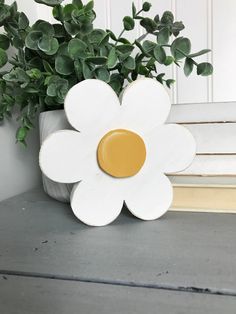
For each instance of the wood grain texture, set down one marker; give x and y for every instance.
(40, 235)
(21, 295)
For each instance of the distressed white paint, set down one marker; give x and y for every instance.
(68, 156)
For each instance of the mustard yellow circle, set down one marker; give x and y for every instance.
(121, 153)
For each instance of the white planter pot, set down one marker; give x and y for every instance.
(49, 122)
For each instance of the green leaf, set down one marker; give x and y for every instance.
(89, 6)
(112, 58)
(159, 54)
(169, 60)
(199, 53)
(86, 71)
(48, 45)
(50, 3)
(204, 69)
(57, 12)
(4, 42)
(3, 57)
(97, 60)
(129, 63)
(53, 48)
(148, 46)
(148, 24)
(104, 40)
(180, 48)
(167, 17)
(116, 82)
(67, 11)
(21, 134)
(163, 36)
(23, 21)
(134, 10)
(126, 48)
(78, 70)
(64, 65)
(34, 74)
(112, 35)
(31, 40)
(72, 28)
(59, 31)
(146, 6)
(78, 3)
(47, 67)
(76, 48)
(4, 13)
(44, 27)
(128, 23)
(188, 66)
(169, 82)
(102, 74)
(177, 27)
(96, 36)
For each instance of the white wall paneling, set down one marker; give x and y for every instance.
(224, 34)
(194, 14)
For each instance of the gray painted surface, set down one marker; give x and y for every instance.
(20, 295)
(40, 235)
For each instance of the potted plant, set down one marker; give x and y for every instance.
(50, 58)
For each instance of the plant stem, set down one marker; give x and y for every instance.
(142, 37)
(122, 32)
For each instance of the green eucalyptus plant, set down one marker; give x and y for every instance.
(50, 58)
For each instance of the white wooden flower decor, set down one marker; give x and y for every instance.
(118, 152)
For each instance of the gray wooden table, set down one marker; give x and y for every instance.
(51, 263)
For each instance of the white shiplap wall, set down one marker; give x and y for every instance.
(209, 24)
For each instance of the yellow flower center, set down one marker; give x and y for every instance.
(121, 153)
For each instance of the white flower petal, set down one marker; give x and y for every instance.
(65, 156)
(91, 105)
(148, 197)
(170, 148)
(97, 201)
(145, 104)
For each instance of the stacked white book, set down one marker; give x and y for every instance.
(209, 183)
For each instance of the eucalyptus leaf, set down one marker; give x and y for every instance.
(159, 54)
(199, 53)
(149, 24)
(76, 48)
(102, 74)
(204, 69)
(129, 63)
(112, 58)
(128, 23)
(87, 72)
(4, 42)
(180, 48)
(188, 66)
(163, 36)
(50, 3)
(96, 60)
(3, 57)
(64, 65)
